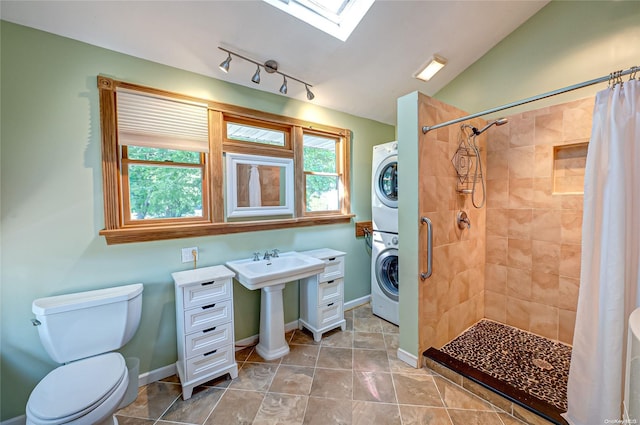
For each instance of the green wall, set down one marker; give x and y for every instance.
(52, 209)
(408, 221)
(565, 43)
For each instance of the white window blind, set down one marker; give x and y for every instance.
(158, 122)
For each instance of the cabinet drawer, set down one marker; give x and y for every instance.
(209, 339)
(206, 293)
(329, 291)
(207, 316)
(330, 313)
(208, 363)
(333, 269)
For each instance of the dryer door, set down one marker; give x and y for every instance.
(386, 181)
(387, 273)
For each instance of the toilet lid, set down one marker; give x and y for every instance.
(73, 389)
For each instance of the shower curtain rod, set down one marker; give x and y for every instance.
(615, 75)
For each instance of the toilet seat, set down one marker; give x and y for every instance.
(75, 390)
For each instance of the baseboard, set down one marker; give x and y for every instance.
(18, 420)
(253, 340)
(408, 358)
(169, 370)
(156, 374)
(357, 302)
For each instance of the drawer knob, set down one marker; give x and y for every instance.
(332, 259)
(210, 353)
(209, 330)
(208, 283)
(331, 281)
(204, 307)
(329, 305)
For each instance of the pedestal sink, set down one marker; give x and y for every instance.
(271, 276)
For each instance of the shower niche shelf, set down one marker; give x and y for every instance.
(569, 162)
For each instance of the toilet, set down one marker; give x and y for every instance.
(81, 331)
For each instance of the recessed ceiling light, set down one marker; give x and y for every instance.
(435, 64)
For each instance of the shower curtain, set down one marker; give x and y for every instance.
(609, 281)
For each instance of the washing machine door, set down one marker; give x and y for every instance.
(386, 181)
(387, 273)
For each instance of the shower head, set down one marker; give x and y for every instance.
(498, 122)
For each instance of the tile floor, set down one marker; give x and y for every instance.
(350, 377)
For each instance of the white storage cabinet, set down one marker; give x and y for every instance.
(204, 324)
(322, 295)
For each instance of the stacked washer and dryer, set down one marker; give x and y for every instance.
(384, 245)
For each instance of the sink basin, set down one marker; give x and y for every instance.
(287, 267)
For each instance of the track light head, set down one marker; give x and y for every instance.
(224, 66)
(283, 87)
(310, 95)
(256, 76)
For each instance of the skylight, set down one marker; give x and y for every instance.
(335, 17)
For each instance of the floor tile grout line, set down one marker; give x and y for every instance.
(363, 353)
(216, 404)
(444, 404)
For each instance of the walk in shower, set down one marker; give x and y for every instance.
(499, 307)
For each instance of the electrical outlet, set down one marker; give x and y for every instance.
(187, 254)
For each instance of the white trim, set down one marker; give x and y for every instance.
(253, 340)
(156, 374)
(357, 302)
(18, 420)
(233, 160)
(408, 358)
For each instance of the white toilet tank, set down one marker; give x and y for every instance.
(84, 324)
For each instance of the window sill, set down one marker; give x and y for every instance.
(156, 233)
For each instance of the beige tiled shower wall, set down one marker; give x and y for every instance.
(452, 299)
(533, 235)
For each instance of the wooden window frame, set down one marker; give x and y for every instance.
(341, 172)
(126, 207)
(118, 231)
(255, 148)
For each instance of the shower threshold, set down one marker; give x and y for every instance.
(528, 372)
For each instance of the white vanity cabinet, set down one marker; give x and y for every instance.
(204, 324)
(322, 295)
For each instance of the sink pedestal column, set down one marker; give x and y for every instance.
(272, 344)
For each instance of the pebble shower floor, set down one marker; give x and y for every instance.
(528, 362)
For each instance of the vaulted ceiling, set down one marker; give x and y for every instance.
(362, 76)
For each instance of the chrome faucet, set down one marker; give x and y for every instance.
(267, 255)
(256, 256)
(274, 253)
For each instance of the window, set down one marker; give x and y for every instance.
(241, 132)
(322, 181)
(176, 166)
(163, 144)
(162, 184)
(335, 17)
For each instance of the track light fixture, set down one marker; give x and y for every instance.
(256, 76)
(224, 66)
(310, 95)
(270, 66)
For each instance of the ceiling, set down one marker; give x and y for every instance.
(363, 76)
